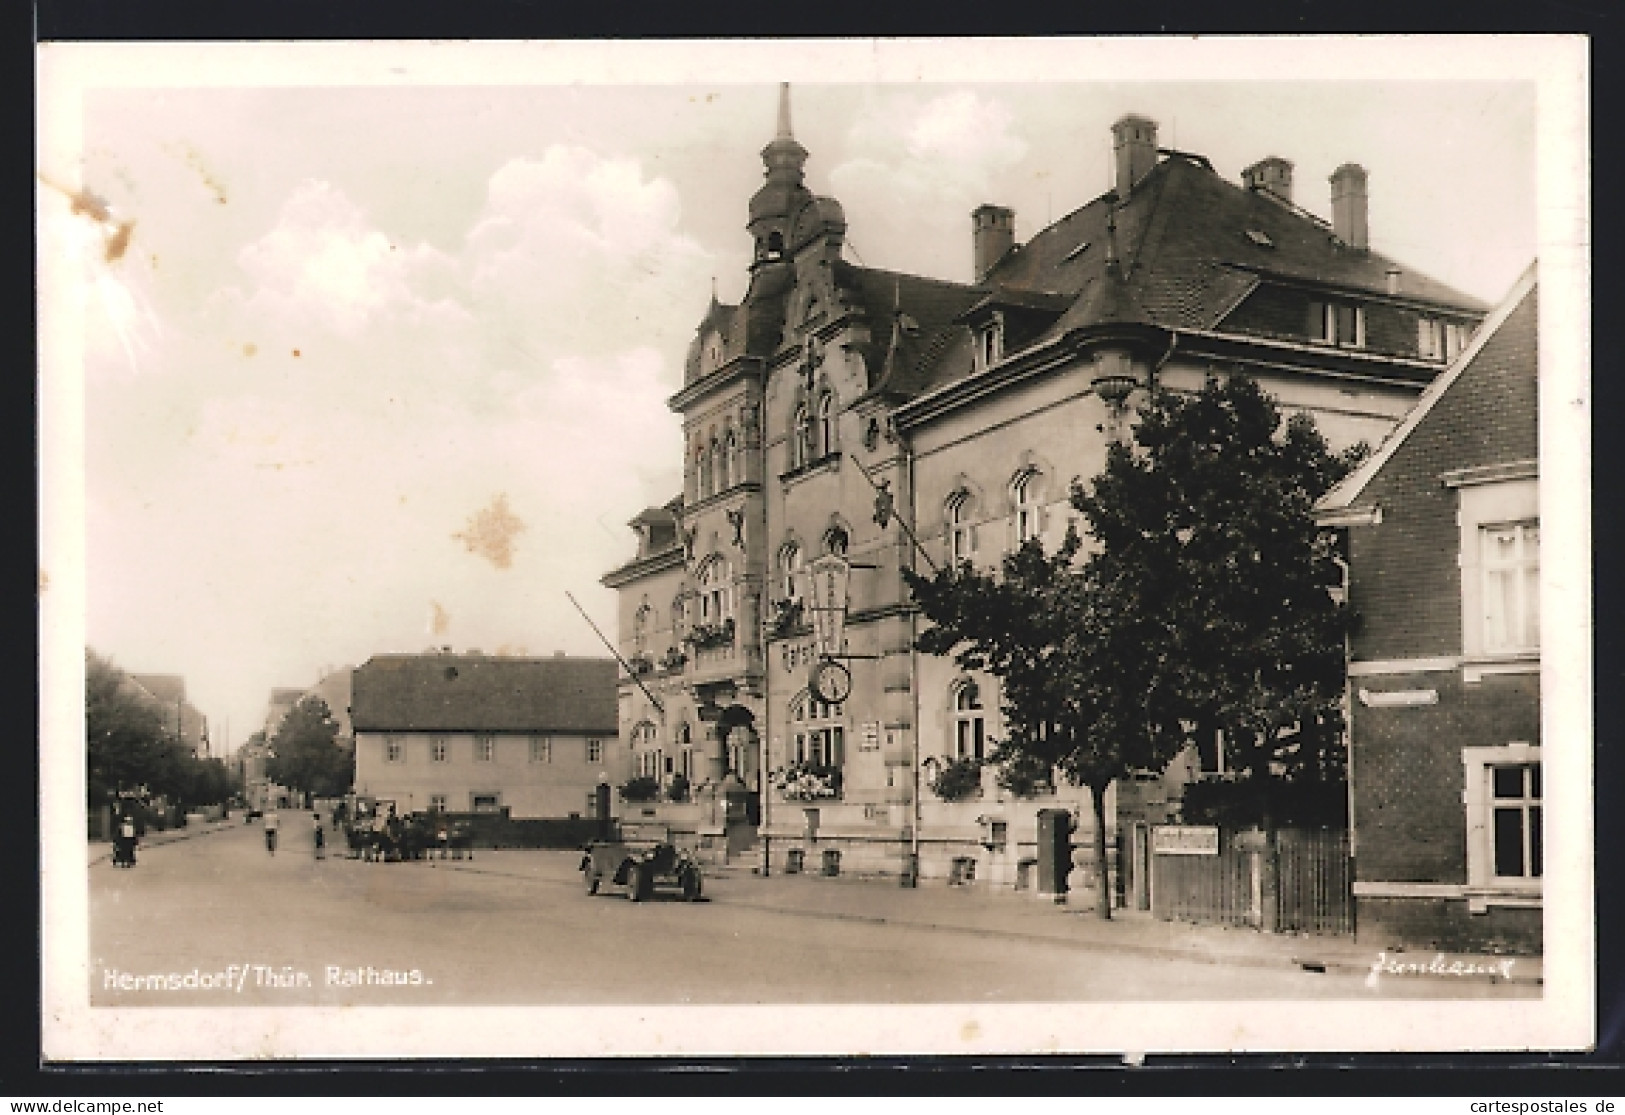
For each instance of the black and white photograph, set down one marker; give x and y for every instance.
(559, 549)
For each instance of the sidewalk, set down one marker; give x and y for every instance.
(935, 906)
(102, 850)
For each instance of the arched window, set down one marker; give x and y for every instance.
(818, 732)
(702, 469)
(685, 751)
(790, 566)
(719, 466)
(642, 622)
(732, 473)
(825, 440)
(961, 530)
(716, 591)
(646, 749)
(1028, 494)
(835, 540)
(800, 437)
(970, 729)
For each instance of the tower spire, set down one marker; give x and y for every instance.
(784, 111)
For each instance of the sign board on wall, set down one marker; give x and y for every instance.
(1185, 840)
(869, 736)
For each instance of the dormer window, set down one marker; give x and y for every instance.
(1437, 339)
(1337, 323)
(989, 343)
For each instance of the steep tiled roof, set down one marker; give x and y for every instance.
(449, 692)
(912, 319)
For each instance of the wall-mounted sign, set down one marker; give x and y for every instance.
(1398, 698)
(869, 736)
(1185, 840)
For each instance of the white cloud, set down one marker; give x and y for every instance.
(919, 166)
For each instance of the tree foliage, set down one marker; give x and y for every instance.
(1210, 524)
(130, 744)
(306, 755)
(1200, 604)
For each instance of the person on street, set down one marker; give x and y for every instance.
(124, 843)
(321, 837)
(271, 824)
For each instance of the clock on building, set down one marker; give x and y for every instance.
(831, 682)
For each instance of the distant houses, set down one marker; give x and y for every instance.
(1443, 528)
(528, 737)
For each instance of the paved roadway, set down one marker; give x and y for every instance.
(517, 928)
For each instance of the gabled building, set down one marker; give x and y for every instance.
(1443, 526)
(871, 421)
(471, 733)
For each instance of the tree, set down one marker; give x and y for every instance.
(126, 743)
(1210, 526)
(1079, 691)
(131, 744)
(305, 754)
(1201, 605)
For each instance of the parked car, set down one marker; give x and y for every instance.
(640, 860)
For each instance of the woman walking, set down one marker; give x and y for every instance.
(271, 824)
(321, 837)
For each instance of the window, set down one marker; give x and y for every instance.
(642, 621)
(716, 592)
(484, 748)
(826, 424)
(485, 803)
(835, 540)
(595, 751)
(1437, 339)
(1515, 820)
(392, 750)
(790, 563)
(1028, 492)
(437, 803)
(541, 749)
(731, 470)
(961, 531)
(1505, 858)
(646, 746)
(1511, 569)
(800, 437)
(719, 466)
(819, 736)
(437, 749)
(1337, 323)
(970, 731)
(989, 348)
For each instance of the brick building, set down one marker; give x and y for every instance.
(1443, 527)
(472, 733)
(966, 408)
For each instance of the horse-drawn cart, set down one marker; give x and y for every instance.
(640, 858)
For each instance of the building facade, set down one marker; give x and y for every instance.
(844, 423)
(471, 733)
(1443, 529)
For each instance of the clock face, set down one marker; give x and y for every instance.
(832, 682)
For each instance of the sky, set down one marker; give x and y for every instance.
(375, 347)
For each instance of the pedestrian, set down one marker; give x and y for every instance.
(124, 843)
(321, 837)
(271, 824)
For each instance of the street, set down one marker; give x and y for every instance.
(517, 928)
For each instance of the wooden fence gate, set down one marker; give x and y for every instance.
(1292, 880)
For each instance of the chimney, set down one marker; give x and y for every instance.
(1349, 205)
(1273, 175)
(993, 233)
(1134, 142)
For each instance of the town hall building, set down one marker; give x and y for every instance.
(844, 423)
